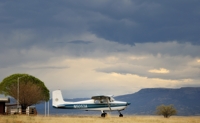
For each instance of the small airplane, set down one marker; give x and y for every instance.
(96, 103)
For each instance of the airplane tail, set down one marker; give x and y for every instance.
(57, 98)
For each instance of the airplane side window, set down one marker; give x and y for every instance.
(103, 101)
(96, 101)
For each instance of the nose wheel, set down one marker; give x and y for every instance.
(120, 114)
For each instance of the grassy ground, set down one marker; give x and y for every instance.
(97, 119)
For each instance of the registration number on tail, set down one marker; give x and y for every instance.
(80, 106)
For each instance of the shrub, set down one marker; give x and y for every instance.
(166, 110)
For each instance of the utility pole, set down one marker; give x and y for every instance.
(48, 108)
(45, 109)
(18, 94)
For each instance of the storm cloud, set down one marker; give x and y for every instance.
(96, 43)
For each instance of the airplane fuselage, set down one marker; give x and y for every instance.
(91, 105)
(96, 103)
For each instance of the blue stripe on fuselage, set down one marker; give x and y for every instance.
(86, 106)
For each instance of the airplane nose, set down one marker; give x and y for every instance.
(128, 103)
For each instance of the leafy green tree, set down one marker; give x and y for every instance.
(166, 110)
(31, 89)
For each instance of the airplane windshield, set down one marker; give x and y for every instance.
(112, 99)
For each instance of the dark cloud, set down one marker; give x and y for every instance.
(48, 67)
(79, 42)
(154, 21)
(75, 42)
(126, 22)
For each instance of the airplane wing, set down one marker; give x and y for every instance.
(100, 97)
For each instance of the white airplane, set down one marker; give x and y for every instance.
(96, 103)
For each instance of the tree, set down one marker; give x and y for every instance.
(166, 110)
(31, 89)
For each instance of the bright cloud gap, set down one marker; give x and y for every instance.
(161, 71)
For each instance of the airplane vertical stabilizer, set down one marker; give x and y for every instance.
(57, 98)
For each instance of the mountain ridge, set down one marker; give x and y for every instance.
(186, 100)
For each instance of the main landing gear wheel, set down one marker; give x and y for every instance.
(103, 114)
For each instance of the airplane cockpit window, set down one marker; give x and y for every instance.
(96, 101)
(104, 100)
(100, 101)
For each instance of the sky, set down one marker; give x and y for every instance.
(91, 47)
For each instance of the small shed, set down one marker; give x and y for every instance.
(2, 104)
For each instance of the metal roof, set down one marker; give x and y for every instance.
(6, 100)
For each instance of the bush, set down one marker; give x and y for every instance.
(166, 110)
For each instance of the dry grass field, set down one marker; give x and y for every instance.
(97, 119)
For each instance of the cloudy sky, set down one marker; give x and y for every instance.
(91, 47)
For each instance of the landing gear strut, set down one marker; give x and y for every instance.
(120, 114)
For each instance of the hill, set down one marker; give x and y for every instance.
(144, 102)
(186, 100)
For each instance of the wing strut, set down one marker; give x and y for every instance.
(108, 104)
